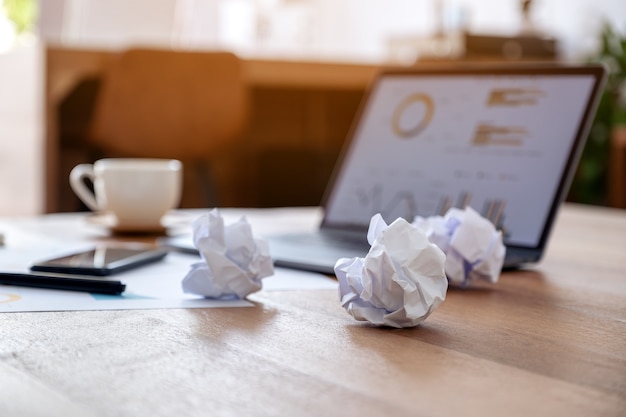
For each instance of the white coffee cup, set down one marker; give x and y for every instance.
(137, 192)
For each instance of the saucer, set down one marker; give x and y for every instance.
(108, 221)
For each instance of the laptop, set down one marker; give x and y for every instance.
(504, 140)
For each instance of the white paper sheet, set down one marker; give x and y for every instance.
(153, 286)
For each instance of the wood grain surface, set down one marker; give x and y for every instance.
(546, 341)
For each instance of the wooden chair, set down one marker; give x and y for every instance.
(190, 106)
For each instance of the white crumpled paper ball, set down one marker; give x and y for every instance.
(473, 247)
(401, 280)
(234, 262)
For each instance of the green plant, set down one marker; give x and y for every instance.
(22, 13)
(590, 182)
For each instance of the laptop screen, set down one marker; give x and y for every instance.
(502, 143)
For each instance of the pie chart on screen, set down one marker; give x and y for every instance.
(412, 115)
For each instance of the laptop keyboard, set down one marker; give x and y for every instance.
(328, 239)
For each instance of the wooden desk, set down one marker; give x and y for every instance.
(548, 341)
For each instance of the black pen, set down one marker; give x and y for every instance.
(62, 282)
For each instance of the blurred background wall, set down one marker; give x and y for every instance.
(348, 29)
(379, 31)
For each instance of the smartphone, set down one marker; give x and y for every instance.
(101, 261)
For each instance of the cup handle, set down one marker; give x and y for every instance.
(77, 176)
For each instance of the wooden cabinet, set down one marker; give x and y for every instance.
(301, 113)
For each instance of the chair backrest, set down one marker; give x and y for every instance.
(170, 104)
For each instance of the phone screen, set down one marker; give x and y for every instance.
(102, 260)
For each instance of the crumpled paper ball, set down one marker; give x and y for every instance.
(234, 262)
(473, 247)
(401, 280)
